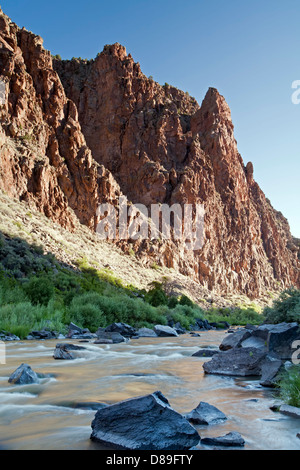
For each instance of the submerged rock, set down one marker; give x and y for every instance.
(24, 375)
(232, 439)
(143, 423)
(205, 352)
(205, 413)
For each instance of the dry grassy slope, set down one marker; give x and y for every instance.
(19, 219)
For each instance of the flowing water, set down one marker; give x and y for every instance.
(47, 416)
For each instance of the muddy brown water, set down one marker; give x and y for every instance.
(43, 416)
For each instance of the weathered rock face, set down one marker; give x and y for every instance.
(44, 158)
(161, 146)
(74, 134)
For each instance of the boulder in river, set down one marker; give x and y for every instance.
(205, 352)
(122, 328)
(236, 362)
(143, 423)
(232, 439)
(270, 369)
(112, 336)
(24, 375)
(205, 413)
(164, 330)
(233, 340)
(280, 338)
(269, 338)
(201, 324)
(6, 336)
(76, 332)
(289, 410)
(146, 332)
(41, 335)
(62, 351)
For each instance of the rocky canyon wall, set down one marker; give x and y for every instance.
(74, 134)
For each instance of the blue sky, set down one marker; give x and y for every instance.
(248, 50)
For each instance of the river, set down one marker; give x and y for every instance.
(45, 416)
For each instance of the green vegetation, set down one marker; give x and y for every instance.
(284, 309)
(289, 386)
(36, 292)
(241, 315)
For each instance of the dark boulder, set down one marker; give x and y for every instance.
(6, 336)
(103, 341)
(205, 352)
(205, 413)
(178, 328)
(236, 362)
(41, 335)
(280, 338)
(143, 423)
(270, 369)
(163, 330)
(75, 332)
(122, 328)
(62, 351)
(274, 338)
(233, 340)
(146, 332)
(232, 439)
(201, 324)
(24, 375)
(113, 336)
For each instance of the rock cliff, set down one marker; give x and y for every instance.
(74, 134)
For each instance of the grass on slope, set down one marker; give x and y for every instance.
(37, 292)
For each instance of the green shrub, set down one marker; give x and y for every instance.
(92, 310)
(172, 301)
(289, 386)
(237, 316)
(156, 296)
(284, 309)
(39, 290)
(87, 316)
(184, 300)
(23, 317)
(186, 315)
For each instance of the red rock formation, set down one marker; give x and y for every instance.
(77, 133)
(44, 158)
